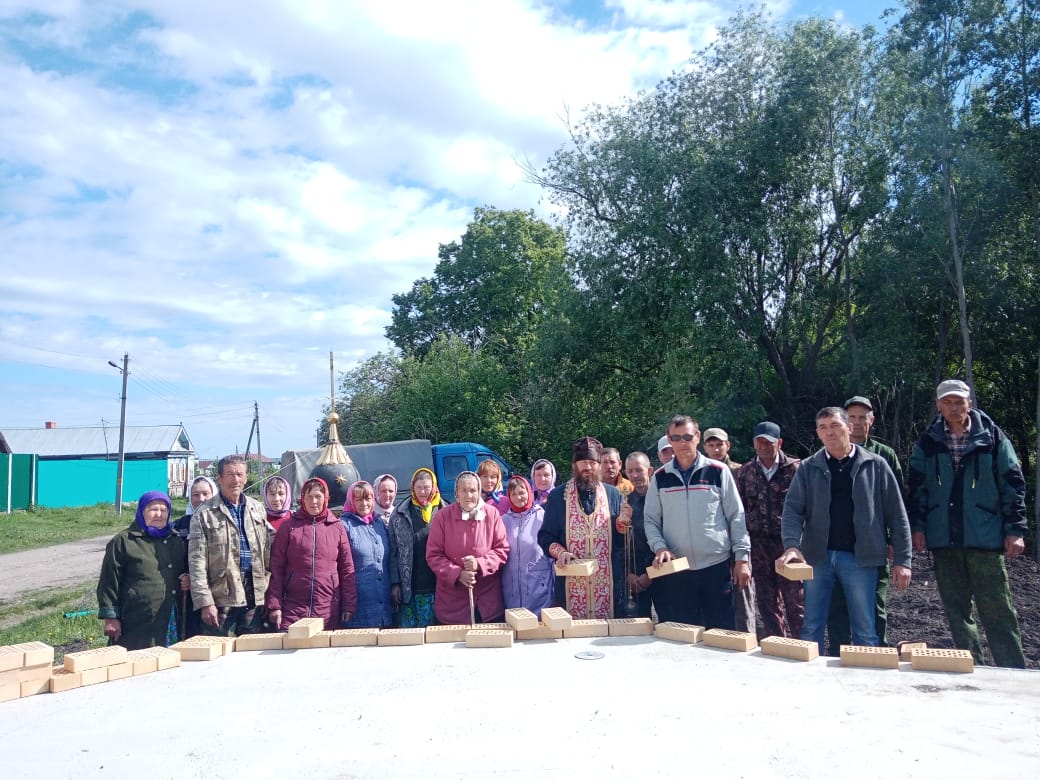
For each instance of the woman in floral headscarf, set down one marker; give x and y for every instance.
(143, 570)
(543, 480)
(527, 577)
(375, 557)
(312, 569)
(410, 529)
(277, 501)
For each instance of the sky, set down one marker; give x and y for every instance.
(227, 192)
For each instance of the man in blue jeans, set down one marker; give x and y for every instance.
(838, 508)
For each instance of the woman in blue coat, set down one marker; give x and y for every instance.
(375, 559)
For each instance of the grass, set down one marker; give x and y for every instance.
(40, 616)
(43, 527)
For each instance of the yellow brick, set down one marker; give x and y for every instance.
(250, 642)
(580, 567)
(354, 637)
(941, 660)
(10, 691)
(786, 647)
(906, 649)
(11, 658)
(165, 658)
(389, 637)
(319, 640)
(730, 640)
(34, 672)
(36, 653)
(494, 626)
(92, 659)
(142, 662)
(679, 632)
(93, 676)
(63, 680)
(669, 567)
(583, 629)
(556, 618)
(482, 637)
(33, 687)
(520, 618)
(639, 626)
(796, 571)
(120, 671)
(449, 633)
(10, 676)
(198, 651)
(306, 627)
(871, 657)
(542, 632)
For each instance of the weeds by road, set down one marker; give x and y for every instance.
(40, 616)
(43, 527)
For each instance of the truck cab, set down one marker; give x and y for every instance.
(450, 460)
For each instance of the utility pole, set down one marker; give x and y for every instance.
(259, 453)
(122, 432)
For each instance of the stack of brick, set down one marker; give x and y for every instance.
(25, 669)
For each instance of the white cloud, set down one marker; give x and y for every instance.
(229, 190)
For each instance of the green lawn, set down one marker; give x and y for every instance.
(42, 527)
(40, 616)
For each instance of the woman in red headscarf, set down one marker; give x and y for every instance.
(312, 569)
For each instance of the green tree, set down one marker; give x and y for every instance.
(490, 288)
(719, 221)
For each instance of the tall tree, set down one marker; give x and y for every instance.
(489, 289)
(721, 217)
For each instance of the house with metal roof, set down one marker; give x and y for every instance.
(77, 466)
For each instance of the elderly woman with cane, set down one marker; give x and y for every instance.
(466, 551)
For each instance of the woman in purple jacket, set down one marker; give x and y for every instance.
(527, 577)
(312, 569)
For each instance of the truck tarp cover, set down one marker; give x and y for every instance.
(400, 458)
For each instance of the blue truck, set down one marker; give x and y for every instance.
(402, 459)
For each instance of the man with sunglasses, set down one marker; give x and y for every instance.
(693, 510)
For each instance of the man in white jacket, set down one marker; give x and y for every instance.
(693, 510)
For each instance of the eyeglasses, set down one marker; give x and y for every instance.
(681, 436)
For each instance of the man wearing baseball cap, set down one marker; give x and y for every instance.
(763, 484)
(665, 452)
(861, 418)
(716, 444)
(967, 505)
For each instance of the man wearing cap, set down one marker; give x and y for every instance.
(580, 518)
(692, 510)
(716, 444)
(861, 418)
(763, 484)
(967, 505)
(664, 450)
(841, 511)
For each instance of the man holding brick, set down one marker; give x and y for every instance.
(842, 508)
(763, 484)
(693, 510)
(861, 419)
(580, 518)
(229, 555)
(968, 507)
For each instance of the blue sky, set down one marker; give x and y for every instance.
(227, 191)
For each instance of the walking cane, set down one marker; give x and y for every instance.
(472, 607)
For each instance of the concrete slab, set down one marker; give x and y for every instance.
(439, 711)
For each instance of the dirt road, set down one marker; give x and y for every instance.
(61, 566)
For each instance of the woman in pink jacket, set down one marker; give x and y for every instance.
(312, 570)
(466, 549)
